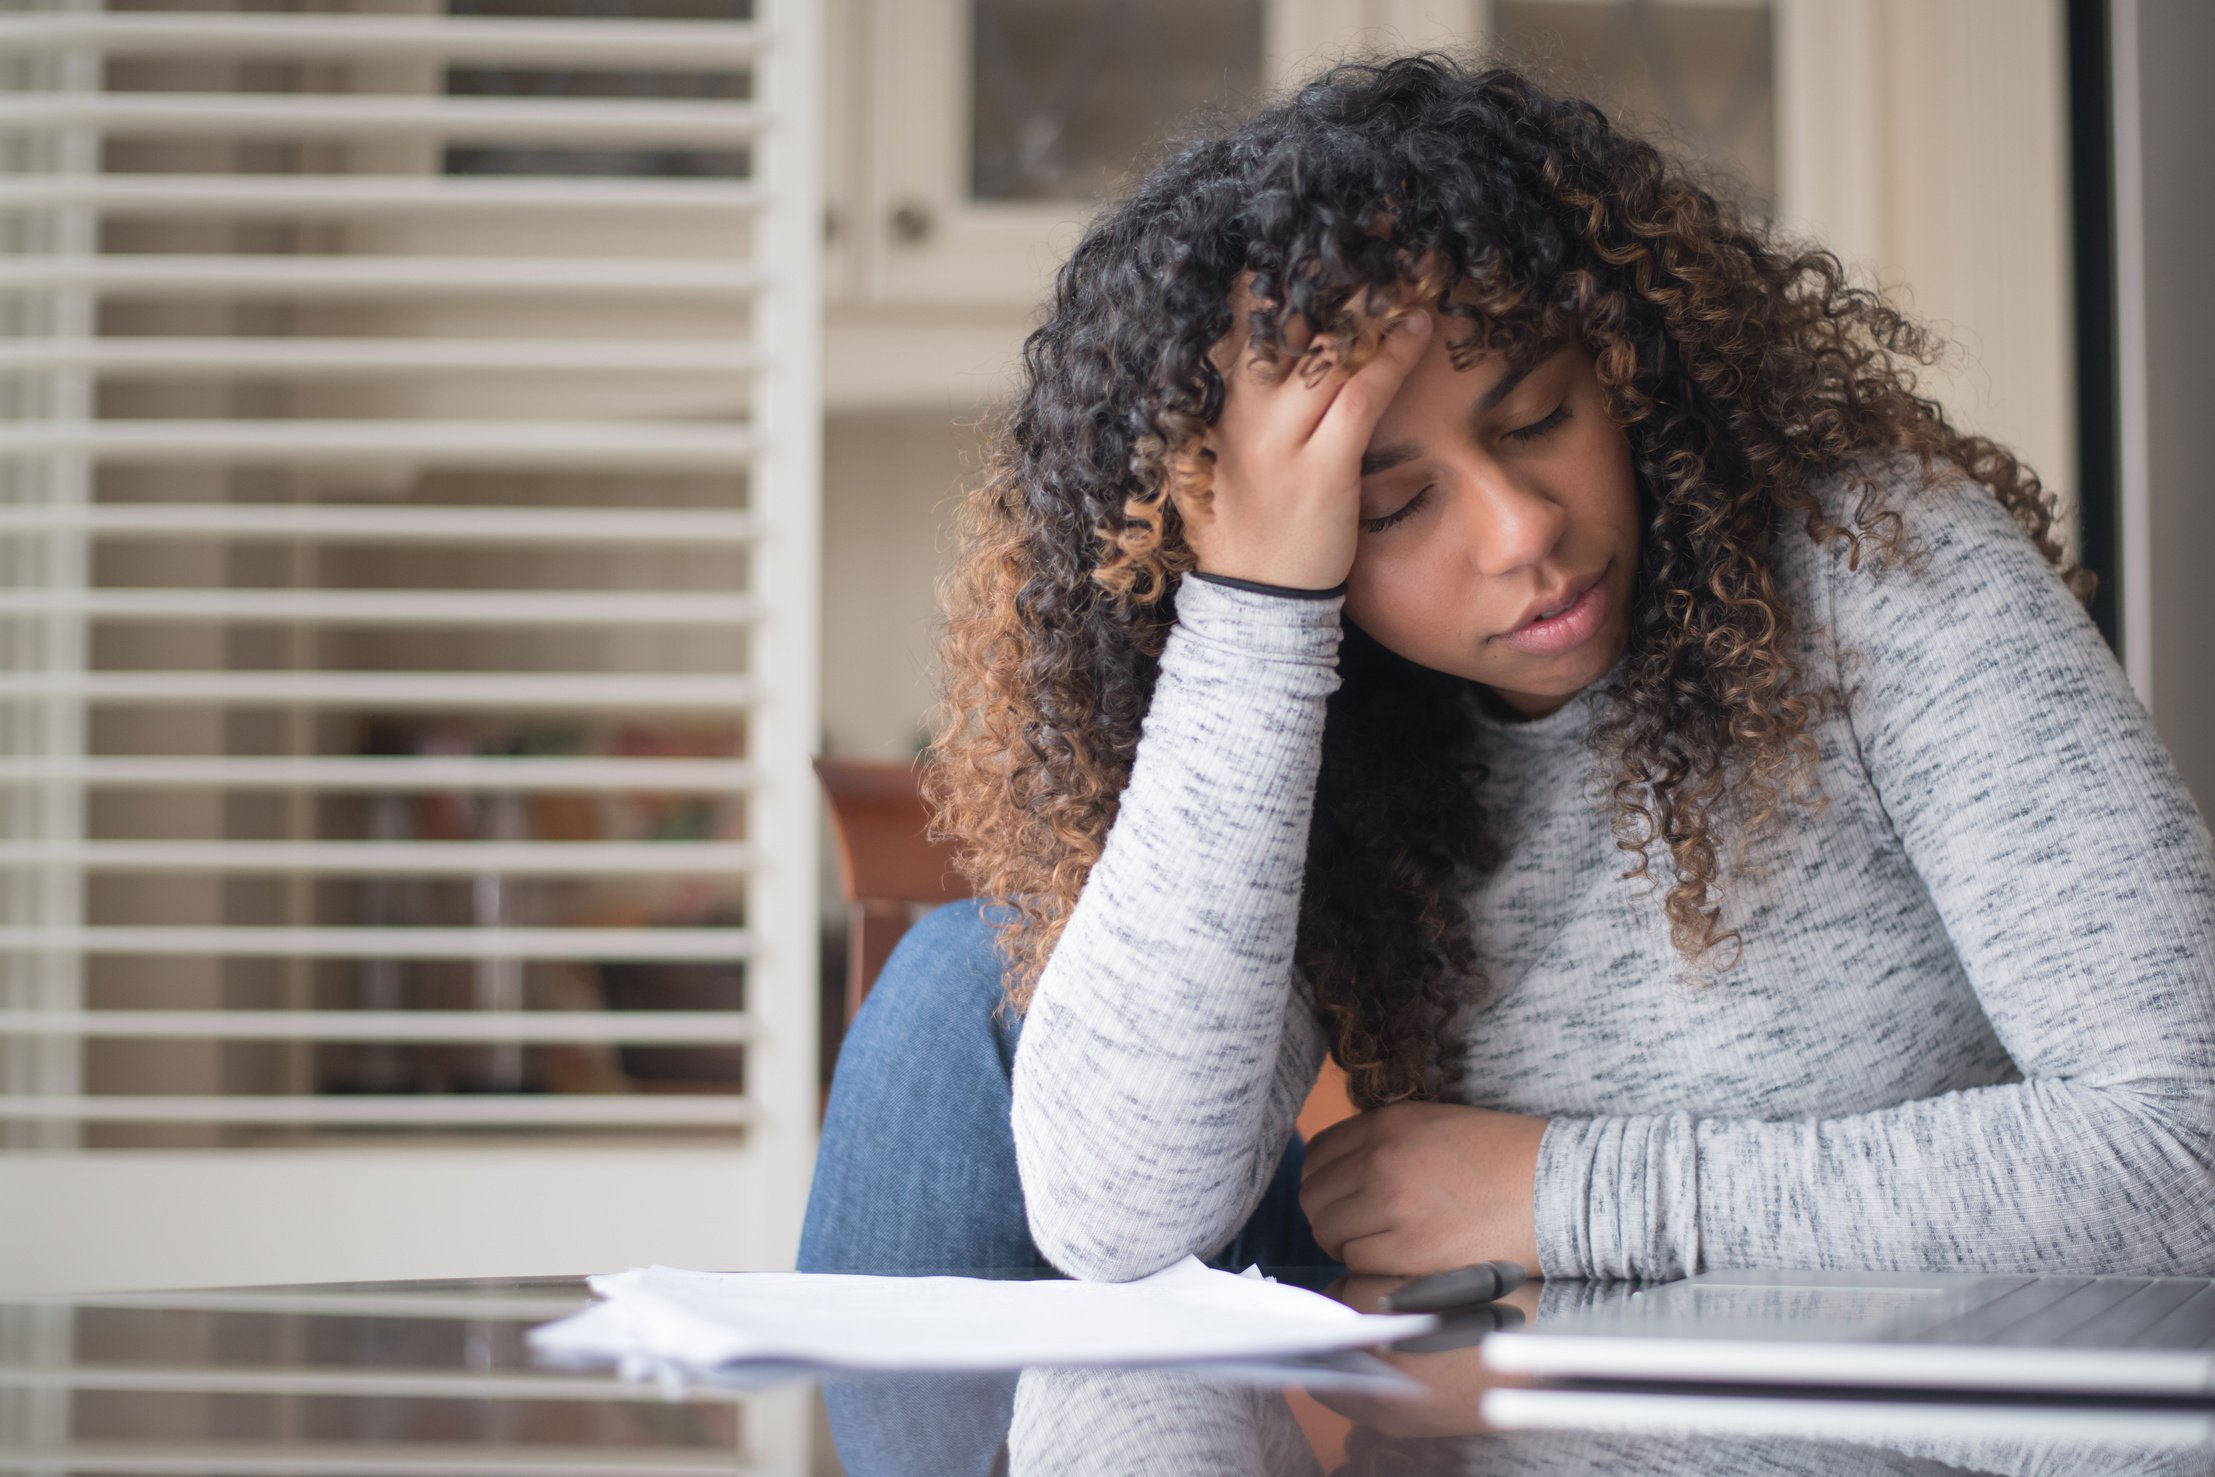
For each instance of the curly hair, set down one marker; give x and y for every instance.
(1745, 369)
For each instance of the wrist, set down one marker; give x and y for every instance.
(1246, 625)
(1264, 587)
(1252, 560)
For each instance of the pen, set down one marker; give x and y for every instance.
(1464, 1287)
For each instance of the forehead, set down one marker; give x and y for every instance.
(1436, 400)
(1454, 367)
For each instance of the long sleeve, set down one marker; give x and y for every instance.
(1144, 1422)
(2074, 879)
(1169, 1044)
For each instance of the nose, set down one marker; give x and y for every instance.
(1509, 525)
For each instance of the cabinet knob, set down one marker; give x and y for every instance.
(909, 223)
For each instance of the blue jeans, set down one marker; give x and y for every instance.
(917, 1175)
(917, 1168)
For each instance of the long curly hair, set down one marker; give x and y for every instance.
(1745, 369)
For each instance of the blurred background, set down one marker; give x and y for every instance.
(461, 463)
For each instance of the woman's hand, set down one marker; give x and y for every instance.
(1414, 1188)
(1285, 504)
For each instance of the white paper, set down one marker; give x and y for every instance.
(1187, 1313)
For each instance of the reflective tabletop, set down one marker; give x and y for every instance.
(437, 1377)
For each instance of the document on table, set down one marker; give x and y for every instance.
(1186, 1313)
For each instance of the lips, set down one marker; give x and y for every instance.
(1550, 628)
(1548, 607)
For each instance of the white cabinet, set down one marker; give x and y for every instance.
(971, 139)
(1921, 139)
(978, 135)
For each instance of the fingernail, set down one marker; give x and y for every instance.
(1417, 323)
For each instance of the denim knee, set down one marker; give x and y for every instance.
(942, 981)
(917, 1165)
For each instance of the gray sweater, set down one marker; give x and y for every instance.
(1143, 1422)
(1973, 1025)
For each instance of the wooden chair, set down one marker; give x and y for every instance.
(887, 865)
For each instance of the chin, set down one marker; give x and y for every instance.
(1576, 670)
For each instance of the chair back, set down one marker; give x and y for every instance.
(887, 863)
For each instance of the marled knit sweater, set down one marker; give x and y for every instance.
(1144, 1422)
(1973, 1024)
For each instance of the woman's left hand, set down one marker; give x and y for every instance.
(1414, 1188)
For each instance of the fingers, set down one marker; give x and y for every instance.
(1269, 396)
(1338, 1207)
(1352, 413)
(1284, 508)
(1375, 1250)
(1293, 401)
(1338, 1142)
(1320, 1192)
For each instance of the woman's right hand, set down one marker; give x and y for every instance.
(1285, 503)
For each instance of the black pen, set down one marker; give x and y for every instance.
(1463, 1287)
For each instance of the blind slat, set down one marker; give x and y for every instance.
(535, 691)
(650, 776)
(354, 1381)
(395, 689)
(370, 1459)
(389, 858)
(391, 607)
(594, 121)
(416, 523)
(689, 44)
(368, 275)
(292, 196)
(613, 446)
(305, 356)
(638, 1027)
(580, 1110)
(389, 943)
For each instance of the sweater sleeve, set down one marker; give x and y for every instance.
(2061, 851)
(1169, 1044)
(1116, 1422)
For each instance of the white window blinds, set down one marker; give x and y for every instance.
(408, 589)
(398, 1381)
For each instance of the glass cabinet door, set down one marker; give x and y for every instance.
(1067, 96)
(1920, 142)
(998, 125)
(1704, 70)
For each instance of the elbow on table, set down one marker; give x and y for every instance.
(1075, 1241)
(2160, 1221)
(1080, 1221)
(2175, 1228)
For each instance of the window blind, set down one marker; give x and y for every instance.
(408, 584)
(390, 1380)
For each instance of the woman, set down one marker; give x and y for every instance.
(1584, 688)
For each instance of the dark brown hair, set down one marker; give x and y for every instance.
(1745, 368)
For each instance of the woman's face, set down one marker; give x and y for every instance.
(1499, 535)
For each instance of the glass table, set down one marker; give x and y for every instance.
(436, 1377)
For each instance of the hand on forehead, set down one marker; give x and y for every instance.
(1372, 311)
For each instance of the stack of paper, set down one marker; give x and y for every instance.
(661, 1317)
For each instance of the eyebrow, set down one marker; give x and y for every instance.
(1385, 458)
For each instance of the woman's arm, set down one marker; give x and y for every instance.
(2074, 877)
(1168, 1048)
(1098, 1422)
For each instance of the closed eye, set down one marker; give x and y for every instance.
(1404, 510)
(1537, 429)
